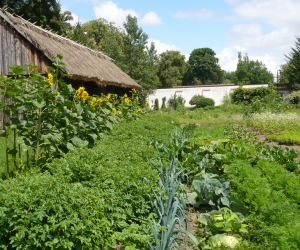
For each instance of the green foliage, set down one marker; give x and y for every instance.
(252, 72)
(139, 61)
(88, 198)
(223, 220)
(272, 194)
(204, 102)
(53, 118)
(286, 137)
(175, 101)
(156, 104)
(47, 14)
(293, 97)
(169, 206)
(171, 68)
(163, 106)
(241, 94)
(194, 100)
(274, 123)
(181, 110)
(293, 69)
(211, 190)
(204, 64)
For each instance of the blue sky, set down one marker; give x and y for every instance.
(265, 29)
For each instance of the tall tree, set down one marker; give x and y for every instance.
(293, 69)
(171, 68)
(204, 64)
(106, 38)
(252, 72)
(44, 13)
(138, 60)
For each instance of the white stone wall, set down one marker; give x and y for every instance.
(216, 92)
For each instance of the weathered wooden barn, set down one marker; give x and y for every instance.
(22, 42)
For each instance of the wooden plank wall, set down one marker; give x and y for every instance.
(16, 50)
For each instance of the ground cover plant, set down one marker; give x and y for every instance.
(88, 198)
(286, 137)
(274, 123)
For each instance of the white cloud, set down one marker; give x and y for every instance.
(162, 47)
(196, 14)
(280, 13)
(252, 29)
(151, 19)
(228, 57)
(110, 11)
(76, 18)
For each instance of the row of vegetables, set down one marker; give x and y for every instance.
(204, 168)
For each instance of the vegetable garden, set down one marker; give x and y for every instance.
(90, 172)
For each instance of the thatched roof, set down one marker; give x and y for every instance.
(82, 62)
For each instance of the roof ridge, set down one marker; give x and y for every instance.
(58, 36)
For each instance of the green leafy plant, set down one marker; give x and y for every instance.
(175, 101)
(194, 100)
(169, 207)
(163, 106)
(204, 102)
(156, 104)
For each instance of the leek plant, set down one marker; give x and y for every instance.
(171, 226)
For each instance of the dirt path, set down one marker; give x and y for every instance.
(262, 138)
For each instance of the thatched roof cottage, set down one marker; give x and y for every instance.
(22, 42)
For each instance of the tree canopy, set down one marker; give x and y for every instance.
(44, 13)
(252, 72)
(293, 69)
(204, 64)
(171, 68)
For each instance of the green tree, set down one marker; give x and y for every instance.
(284, 73)
(139, 61)
(204, 64)
(230, 77)
(293, 69)
(171, 68)
(44, 13)
(252, 72)
(106, 38)
(78, 34)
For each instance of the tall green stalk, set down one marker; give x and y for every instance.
(38, 137)
(6, 135)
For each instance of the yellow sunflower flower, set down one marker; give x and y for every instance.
(137, 98)
(93, 101)
(134, 90)
(114, 111)
(50, 79)
(85, 95)
(108, 97)
(80, 92)
(125, 95)
(127, 100)
(146, 104)
(137, 112)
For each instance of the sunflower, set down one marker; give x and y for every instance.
(93, 101)
(80, 92)
(137, 112)
(85, 95)
(50, 79)
(114, 111)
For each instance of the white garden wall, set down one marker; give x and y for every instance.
(216, 92)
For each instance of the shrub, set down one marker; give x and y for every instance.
(163, 106)
(181, 110)
(203, 102)
(175, 101)
(156, 104)
(195, 99)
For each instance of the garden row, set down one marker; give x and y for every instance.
(250, 187)
(89, 198)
